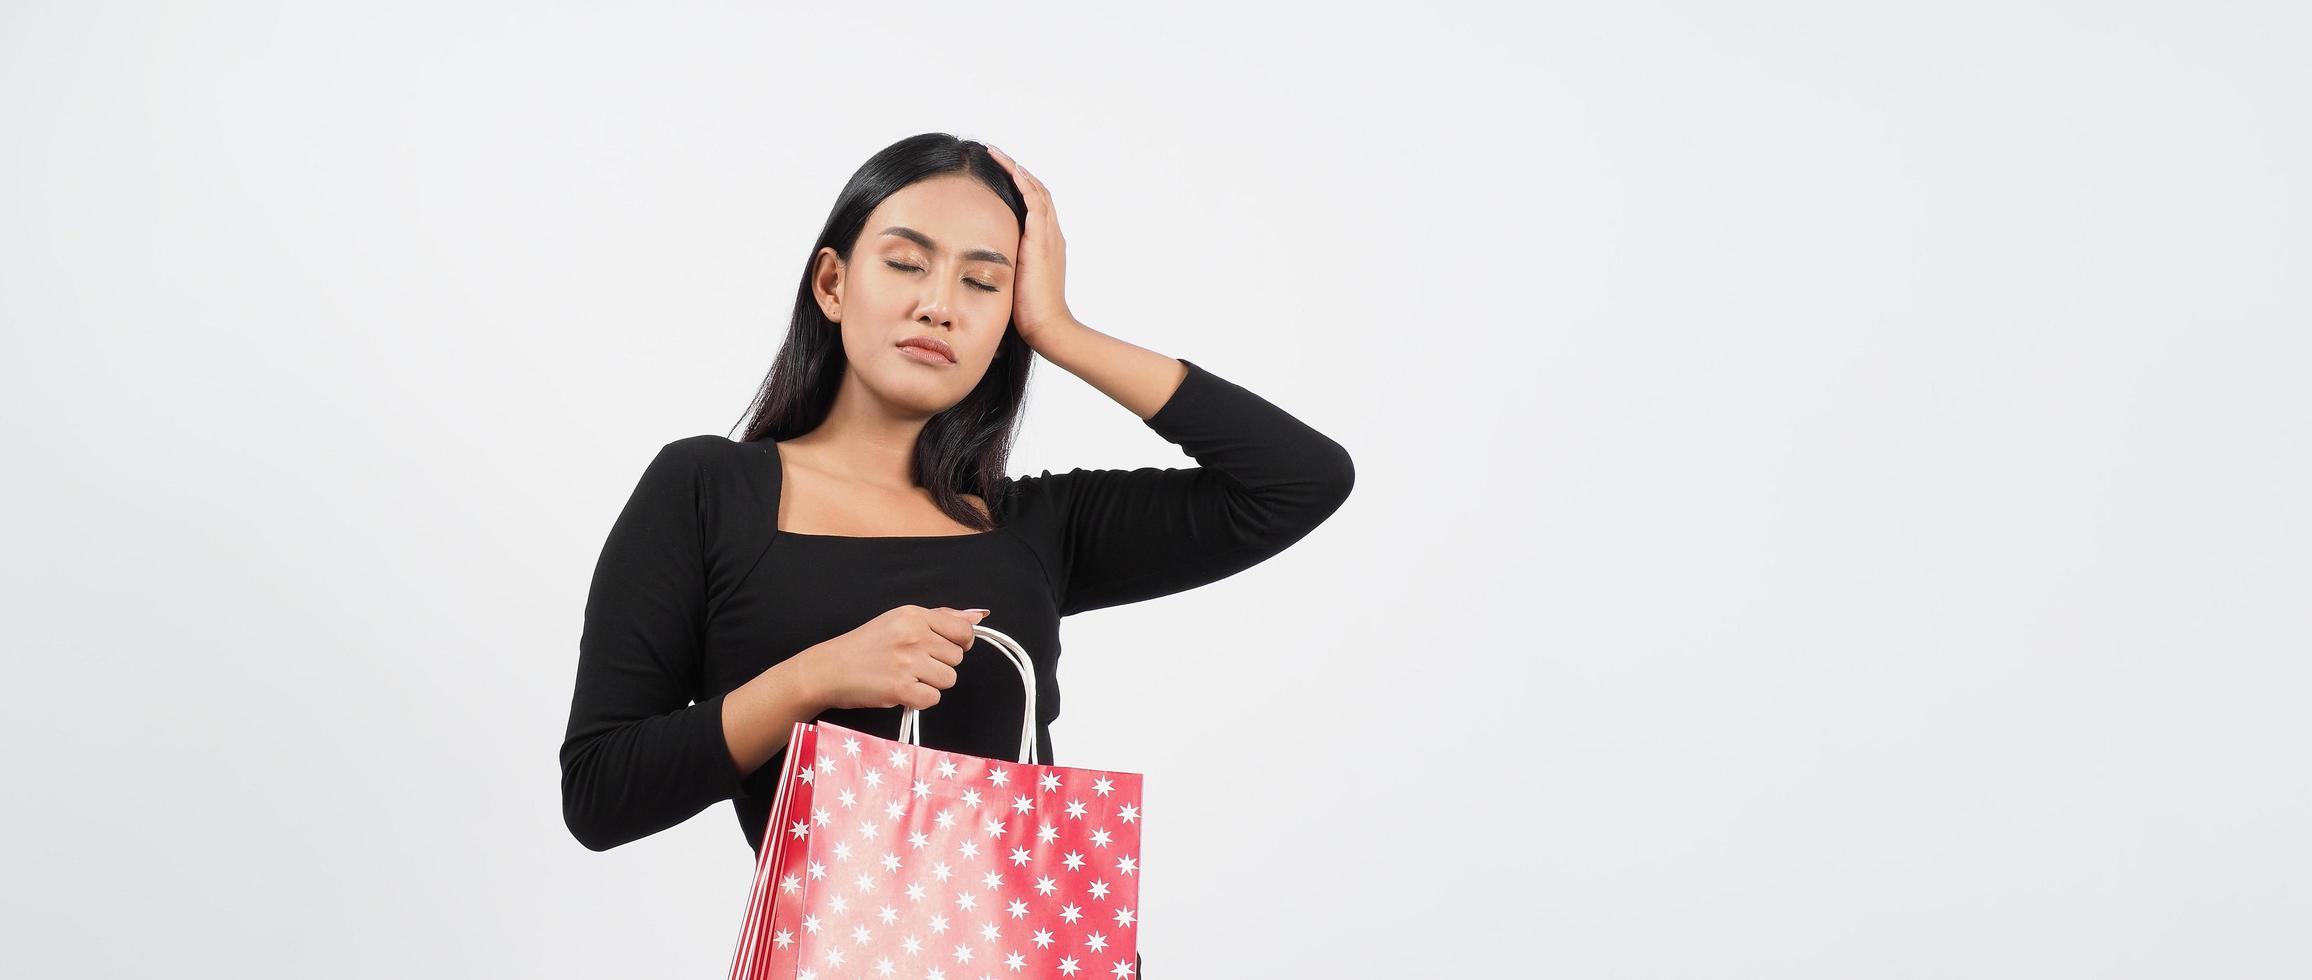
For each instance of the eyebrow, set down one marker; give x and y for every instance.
(919, 238)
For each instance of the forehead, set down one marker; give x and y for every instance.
(957, 211)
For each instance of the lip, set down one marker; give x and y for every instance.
(933, 345)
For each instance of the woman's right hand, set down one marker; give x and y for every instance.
(904, 657)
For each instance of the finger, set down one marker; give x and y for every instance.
(921, 696)
(937, 674)
(955, 628)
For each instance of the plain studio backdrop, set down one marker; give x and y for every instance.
(1830, 488)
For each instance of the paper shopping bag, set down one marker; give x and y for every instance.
(886, 859)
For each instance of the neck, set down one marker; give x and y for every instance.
(864, 440)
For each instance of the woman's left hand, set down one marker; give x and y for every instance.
(1039, 310)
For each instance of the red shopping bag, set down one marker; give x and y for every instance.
(886, 859)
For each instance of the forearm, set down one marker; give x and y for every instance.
(759, 715)
(1140, 379)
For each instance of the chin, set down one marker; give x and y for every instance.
(918, 394)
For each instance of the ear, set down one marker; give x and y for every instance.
(827, 283)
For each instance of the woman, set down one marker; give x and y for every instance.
(830, 564)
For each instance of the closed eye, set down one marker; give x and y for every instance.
(909, 268)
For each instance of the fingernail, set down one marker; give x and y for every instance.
(982, 612)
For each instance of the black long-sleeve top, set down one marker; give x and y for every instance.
(697, 591)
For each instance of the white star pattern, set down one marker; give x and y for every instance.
(944, 905)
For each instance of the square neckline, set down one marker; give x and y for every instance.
(779, 471)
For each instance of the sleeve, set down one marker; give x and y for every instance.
(1265, 480)
(638, 757)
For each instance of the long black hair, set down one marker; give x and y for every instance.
(961, 450)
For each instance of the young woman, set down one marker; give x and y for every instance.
(829, 565)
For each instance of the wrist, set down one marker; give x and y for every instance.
(802, 675)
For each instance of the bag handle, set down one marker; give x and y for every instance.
(911, 723)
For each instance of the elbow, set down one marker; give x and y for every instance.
(582, 824)
(587, 832)
(584, 819)
(1324, 485)
(1345, 473)
(1339, 478)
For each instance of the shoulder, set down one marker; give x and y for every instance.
(700, 447)
(709, 464)
(712, 454)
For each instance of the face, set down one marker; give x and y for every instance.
(934, 260)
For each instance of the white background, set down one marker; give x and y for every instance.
(1822, 504)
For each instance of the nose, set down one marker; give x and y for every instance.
(939, 308)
